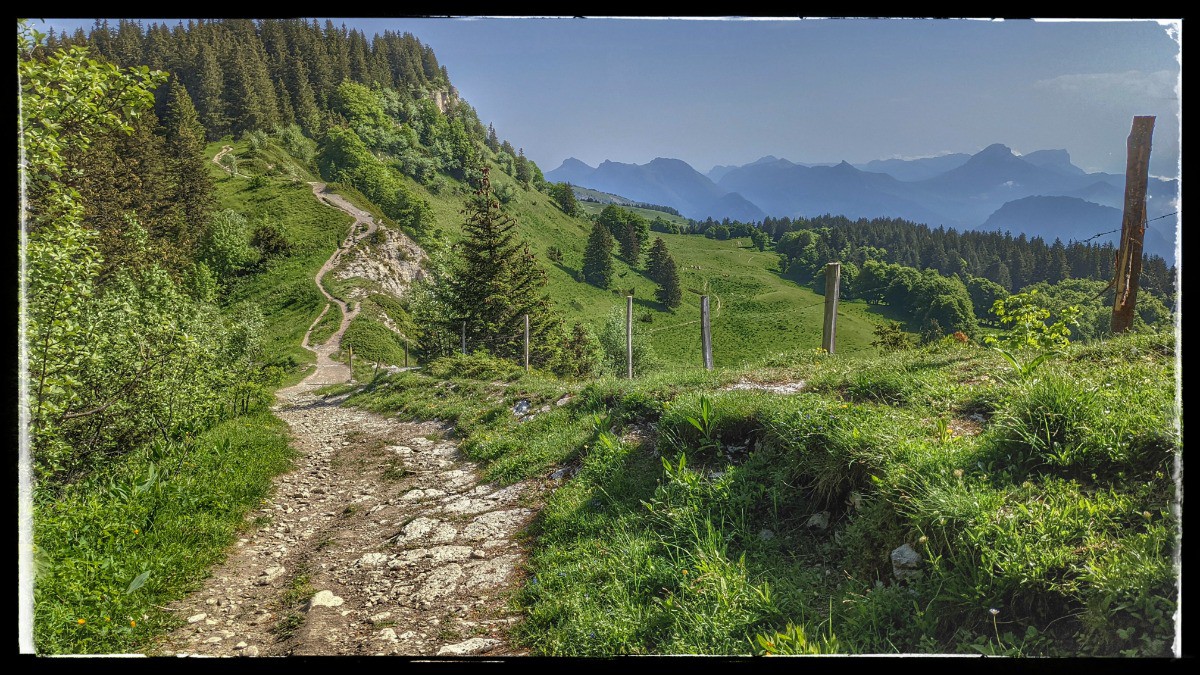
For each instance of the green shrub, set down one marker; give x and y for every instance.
(476, 366)
(373, 341)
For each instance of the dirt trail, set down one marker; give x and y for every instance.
(382, 540)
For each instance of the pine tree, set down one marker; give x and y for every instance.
(654, 262)
(494, 283)
(597, 257)
(669, 293)
(210, 98)
(185, 146)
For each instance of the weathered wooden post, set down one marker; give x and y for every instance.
(527, 343)
(629, 337)
(464, 338)
(1133, 222)
(833, 282)
(705, 334)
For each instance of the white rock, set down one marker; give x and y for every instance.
(819, 521)
(325, 599)
(197, 617)
(473, 646)
(250, 651)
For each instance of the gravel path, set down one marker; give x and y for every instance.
(382, 540)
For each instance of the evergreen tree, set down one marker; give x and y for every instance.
(654, 262)
(565, 196)
(524, 172)
(185, 146)
(493, 142)
(210, 97)
(669, 293)
(597, 257)
(494, 283)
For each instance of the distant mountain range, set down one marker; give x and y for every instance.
(1039, 193)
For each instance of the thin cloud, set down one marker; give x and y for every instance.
(1160, 84)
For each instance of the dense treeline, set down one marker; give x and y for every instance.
(246, 74)
(1012, 262)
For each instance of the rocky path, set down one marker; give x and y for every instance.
(382, 540)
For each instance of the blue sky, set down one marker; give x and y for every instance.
(730, 91)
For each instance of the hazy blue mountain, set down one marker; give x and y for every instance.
(735, 207)
(718, 172)
(915, 169)
(782, 188)
(1059, 160)
(1071, 218)
(670, 182)
(570, 171)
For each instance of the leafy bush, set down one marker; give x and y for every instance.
(476, 366)
(613, 342)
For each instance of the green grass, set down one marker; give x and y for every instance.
(756, 312)
(166, 509)
(327, 326)
(687, 527)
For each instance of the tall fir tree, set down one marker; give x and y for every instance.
(654, 261)
(494, 283)
(669, 292)
(185, 145)
(597, 257)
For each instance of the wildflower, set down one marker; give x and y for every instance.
(993, 611)
(81, 621)
(107, 619)
(958, 473)
(136, 531)
(132, 623)
(923, 539)
(1146, 515)
(685, 572)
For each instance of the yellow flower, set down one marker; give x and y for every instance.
(81, 621)
(136, 531)
(132, 622)
(107, 619)
(685, 572)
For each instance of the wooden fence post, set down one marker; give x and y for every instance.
(705, 334)
(629, 337)
(1133, 222)
(833, 282)
(527, 343)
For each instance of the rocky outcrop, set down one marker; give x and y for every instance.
(388, 258)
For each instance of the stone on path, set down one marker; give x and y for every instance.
(473, 646)
(324, 599)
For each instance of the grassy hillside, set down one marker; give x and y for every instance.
(283, 288)
(648, 214)
(756, 312)
(697, 517)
